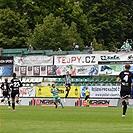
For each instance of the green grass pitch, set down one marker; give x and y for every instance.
(37, 119)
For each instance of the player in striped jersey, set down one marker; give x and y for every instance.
(67, 83)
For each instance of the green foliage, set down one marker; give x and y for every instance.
(13, 30)
(54, 33)
(97, 47)
(110, 22)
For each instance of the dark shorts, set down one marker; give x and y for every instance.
(87, 97)
(125, 92)
(68, 87)
(6, 94)
(15, 93)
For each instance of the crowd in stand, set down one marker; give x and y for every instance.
(125, 47)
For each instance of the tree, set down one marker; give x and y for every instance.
(97, 47)
(109, 20)
(13, 30)
(54, 33)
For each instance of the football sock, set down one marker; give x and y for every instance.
(87, 102)
(9, 103)
(61, 105)
(66, 94)
(2, 100)
(17, 101)
(55, 104)
(124, 107)
(13, 106)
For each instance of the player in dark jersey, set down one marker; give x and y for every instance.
(15, 84)
(125, 78)
(6, 91)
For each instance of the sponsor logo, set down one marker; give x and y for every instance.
(130, 57)
(6, 61)
(106, 58)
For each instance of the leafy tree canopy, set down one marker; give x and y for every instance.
(110, 22)
(13, 30)
(54, 33)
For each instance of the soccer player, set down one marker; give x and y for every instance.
(57, 100)
(6, 91)
(87, 92)
(15, 84)
(125, 78)
(67, 83)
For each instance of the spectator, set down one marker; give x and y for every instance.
(117, 50)
(126, 46)
(91, 49)
(73, 46)
(59, 49)
(76, 47)
(30, 48)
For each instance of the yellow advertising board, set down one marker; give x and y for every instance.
(44, 91)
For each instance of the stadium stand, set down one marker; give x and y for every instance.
(76, 81)
(48, 51)
(25, 52)
(74, 52)
(88, 81)
(13, 52)
(34, 52)
(57, 53)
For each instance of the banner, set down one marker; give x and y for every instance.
(24, 92)
(43, 71)
(76, 70)
(110, 69)
(23, 70)
(27, 91)
(17, 70)
(76, 59)
(91, 59)
(32, 65)
(115, 57)
(6, 65)
(96, 102)
(36, 70)
(77, 65)
(44, 91)
(4, 60)
(33, 60)
(113, 69)
(50, 102)
(6, 70)
(50, 70)
(102, 91)
(30, 71)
